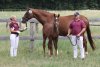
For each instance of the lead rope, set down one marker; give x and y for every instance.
(77, 38)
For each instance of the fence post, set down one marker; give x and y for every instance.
(36, 27)
(31, 35)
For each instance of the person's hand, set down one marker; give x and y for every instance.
(18, 31)
(68, 35)
(21, 30)
(78, 35)
(12, 28)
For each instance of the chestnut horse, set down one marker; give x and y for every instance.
(46, 19)
(49, 22)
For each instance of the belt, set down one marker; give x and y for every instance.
(17, 34)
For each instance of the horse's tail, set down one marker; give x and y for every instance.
(90, 37)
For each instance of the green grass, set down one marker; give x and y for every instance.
(26, 58)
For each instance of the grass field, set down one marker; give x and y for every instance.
(36, 59)
(26, 58)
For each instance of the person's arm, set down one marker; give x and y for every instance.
(69, 31)
(83, 28)
(12, 29)
(82, 31)
(69, 28)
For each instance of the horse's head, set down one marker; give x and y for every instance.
(27, 16)
(56, 22)
(56, 18)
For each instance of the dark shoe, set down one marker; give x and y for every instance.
(83, 58)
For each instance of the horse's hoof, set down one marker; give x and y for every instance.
(56, 53)
(86, 53)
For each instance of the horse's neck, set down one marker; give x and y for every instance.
(41, 16)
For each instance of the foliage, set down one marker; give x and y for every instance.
(50, 4)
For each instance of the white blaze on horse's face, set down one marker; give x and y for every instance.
(57, 22)
(30, 11)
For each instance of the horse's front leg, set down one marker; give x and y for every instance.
(50, 46)
(85, 44)
(55, 41)
(44, 41)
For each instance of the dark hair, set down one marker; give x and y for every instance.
(76, 14)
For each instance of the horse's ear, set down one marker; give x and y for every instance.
(28, 8)
(54, 15)
(58, 15)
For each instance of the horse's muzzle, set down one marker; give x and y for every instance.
(23, 27)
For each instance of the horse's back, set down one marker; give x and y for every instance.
(64, 22)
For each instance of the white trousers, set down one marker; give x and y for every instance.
(14, 44)
(77, 42)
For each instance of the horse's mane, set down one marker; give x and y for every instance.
(42, 11)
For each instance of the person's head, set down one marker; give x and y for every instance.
(77, 15)
(13, 19)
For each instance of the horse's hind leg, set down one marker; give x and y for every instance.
(44, 40)
(85, 44)
(55, 41)
(50, 46)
